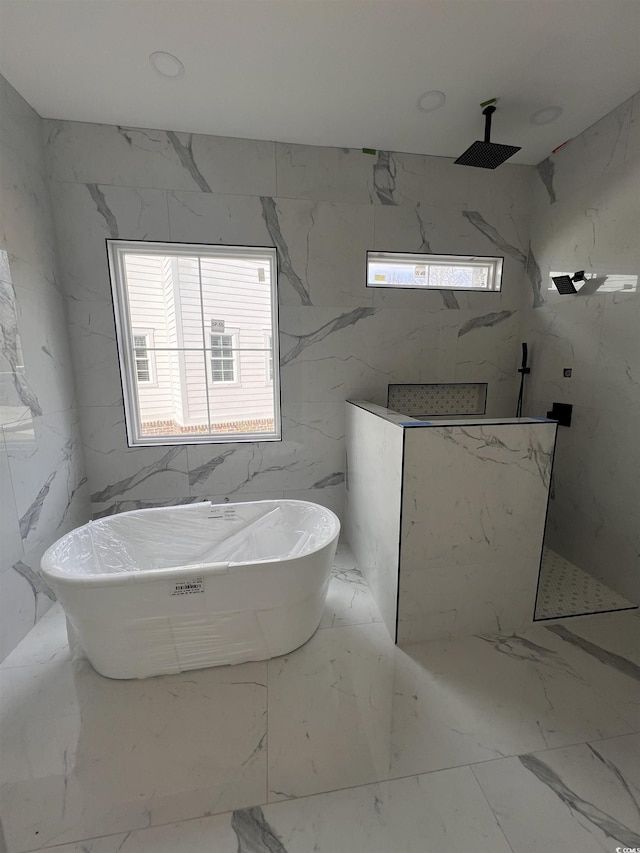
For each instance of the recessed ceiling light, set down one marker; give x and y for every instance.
(166, 64)
(546, 115)
(430, 101)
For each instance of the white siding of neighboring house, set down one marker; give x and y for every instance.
(148, 314)
(160, 289)
(230, 292)
(174, 339)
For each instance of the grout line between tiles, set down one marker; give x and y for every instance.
(346, 788)
(266, 792)
(386, 780)
(496, 818)
(54, 847)
(470, 765)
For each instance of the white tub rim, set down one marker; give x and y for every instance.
(52, 573)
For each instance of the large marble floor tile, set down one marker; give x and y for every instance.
(349, 708)
(330, 712)
(619, 633)
(349, 599)
(478, 698)
(439, 813)
(143, 763)
(104, 844)
(45, 643)
(583, 798)
(83, 756)
(605, 653)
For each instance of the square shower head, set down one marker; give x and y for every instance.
(486, 155)
(564, 284)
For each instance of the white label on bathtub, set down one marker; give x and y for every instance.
(189, 587)
(222, 511)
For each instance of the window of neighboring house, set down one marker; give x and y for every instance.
(179, 308)
(223, 358)
(433, 272)
(142, 356)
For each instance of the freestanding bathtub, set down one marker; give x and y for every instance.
(165, 590)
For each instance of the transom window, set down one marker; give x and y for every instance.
(590, 282)
(194, 325)
(433, 272)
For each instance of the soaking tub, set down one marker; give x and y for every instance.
(165, 590)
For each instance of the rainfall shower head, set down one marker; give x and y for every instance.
(565, 283)
(487, 154)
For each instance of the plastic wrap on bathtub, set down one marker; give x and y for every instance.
(144, 646)
(195, 535)
(252, 585)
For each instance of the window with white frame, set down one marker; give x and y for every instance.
(144, 370)
(593, 281)
(179, 311)
(223, 358)
(421, 271)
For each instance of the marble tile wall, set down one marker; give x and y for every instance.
(322, 208)
(43, 486)
(373, 506)
(474, 501)
(586, 215)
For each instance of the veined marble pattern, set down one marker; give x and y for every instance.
(99, 212)
(566, 590)
(442, 750)
(582, 797)
(486, 350)
(319, 362)
(78, 152)
(349, 599)
(331, 496)
(617, 379)
(17, 397)
(474, 506)
(594, 489)
(427, 226)
(396, 816)
(373, 504)
(44, 489)
(307, 464)
(560, 337)
(586, 215)
(319, 207)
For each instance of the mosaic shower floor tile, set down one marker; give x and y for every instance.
(566, 590)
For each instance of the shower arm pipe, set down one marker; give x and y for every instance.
(487, 113)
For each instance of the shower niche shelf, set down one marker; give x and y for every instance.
(437, 399)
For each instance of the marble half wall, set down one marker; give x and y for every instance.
(322, 208)
(474, 502)
(373, 504)
(43, 485)
(586, 215)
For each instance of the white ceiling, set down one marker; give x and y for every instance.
(344, 73)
